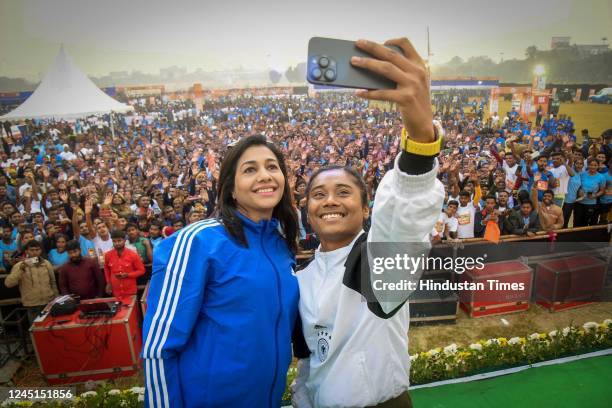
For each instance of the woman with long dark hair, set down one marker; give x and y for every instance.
(223, 299)
(353, 348)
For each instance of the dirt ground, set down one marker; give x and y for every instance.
(536, 319)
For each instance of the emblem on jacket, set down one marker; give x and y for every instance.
(323, 344)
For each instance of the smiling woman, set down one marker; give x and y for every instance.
(337, 224)
(223, 299)
(253, 182)
(352, 346)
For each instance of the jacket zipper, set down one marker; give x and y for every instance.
(278, 316)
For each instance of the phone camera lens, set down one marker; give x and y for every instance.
(323, 62)
(316, 73)
(330, 74)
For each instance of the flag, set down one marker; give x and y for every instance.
(492, 232)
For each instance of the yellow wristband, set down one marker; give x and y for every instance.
(421, 149)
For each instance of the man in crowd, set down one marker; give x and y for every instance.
(489, 213)
(8, 246)
(549, 213)
(81, 275)
(139, 244)
(35, 278)
(155, 234)
(446, 226)
(523, 221)
(466, 213)
(102, 241)
(561, 171)
(122, 267)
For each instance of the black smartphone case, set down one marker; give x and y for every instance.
(345, 75)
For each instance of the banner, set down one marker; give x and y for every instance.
(494, 101)
(541, 101)
(199, 103)
(578, 95)
(526, 106)
(539, 83)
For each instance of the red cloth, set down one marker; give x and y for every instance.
(130, 263)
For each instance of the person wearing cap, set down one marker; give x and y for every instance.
(122, 267)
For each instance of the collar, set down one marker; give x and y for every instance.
(262, 226)
(339, 257)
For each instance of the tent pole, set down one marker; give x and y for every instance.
(112, 125)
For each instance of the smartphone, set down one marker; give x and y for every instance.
(31, 261)
(329, 63)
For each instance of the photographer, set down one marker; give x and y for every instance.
(35, 278)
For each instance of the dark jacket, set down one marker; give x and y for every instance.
(514, 223)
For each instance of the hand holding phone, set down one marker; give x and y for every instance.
(329, 63)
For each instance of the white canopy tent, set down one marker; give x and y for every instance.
(65, 93)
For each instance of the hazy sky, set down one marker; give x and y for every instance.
(117, 35)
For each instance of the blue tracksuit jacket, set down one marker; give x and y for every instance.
(217, 332)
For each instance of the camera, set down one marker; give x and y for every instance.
(322, 68)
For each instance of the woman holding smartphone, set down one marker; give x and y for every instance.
(223, 299)
(354, 353)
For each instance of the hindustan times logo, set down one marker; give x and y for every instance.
(412, 264)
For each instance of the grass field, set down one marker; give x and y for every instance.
(593, 116)
(583, 383)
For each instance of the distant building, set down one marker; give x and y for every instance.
(559, 42)
(119, 75)
(583, 49)
(173, 72)
(593, 49)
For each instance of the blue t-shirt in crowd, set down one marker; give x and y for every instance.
(607, 197)
(86, 246)
(543, 184)
(12, 247)
(573, 185)
(57, 258)
(591, 183)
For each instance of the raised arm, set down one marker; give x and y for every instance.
(409, 197)
(534, 193)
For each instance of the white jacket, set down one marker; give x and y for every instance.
(359, 350)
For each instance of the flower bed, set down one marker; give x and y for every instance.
(488, 355)
(434, 365)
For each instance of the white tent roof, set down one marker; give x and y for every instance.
(66, 93)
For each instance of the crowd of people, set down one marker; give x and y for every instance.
(74, 195)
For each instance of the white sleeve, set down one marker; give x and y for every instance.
(406, 206)
(405, 211)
